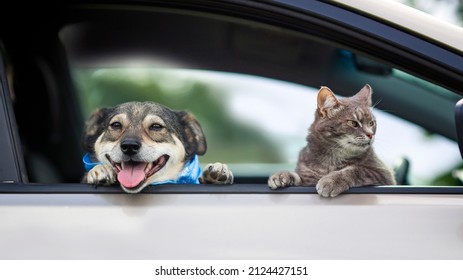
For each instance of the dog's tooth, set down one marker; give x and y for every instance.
(148, 166)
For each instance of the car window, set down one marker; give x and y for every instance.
(258, 125)
(252, 84)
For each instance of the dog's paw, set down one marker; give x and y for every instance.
(101, 175)
(284, 179)
(328, 187)
(216, 173)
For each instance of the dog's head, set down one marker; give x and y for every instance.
(144, 142)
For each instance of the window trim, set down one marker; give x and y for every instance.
(12, 166)
(13, 188)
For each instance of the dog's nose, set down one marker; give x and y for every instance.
(130, 146)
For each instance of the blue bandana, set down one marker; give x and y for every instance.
(189, 175)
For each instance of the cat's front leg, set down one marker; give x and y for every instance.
(335, 183)
(284, 179)
(328, 187)
(340, 181)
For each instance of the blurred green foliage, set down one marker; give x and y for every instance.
(229, 140)
(448, 178)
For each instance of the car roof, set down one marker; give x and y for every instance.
(410, 19)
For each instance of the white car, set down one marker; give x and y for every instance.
(248, 70)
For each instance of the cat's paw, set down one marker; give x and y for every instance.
(283, 179)
(101, 175)
(328, 187)
(216, 173)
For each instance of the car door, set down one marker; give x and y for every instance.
(56, 217)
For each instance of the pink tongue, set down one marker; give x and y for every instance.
(132, 174)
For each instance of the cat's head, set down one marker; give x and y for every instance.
(347, 123)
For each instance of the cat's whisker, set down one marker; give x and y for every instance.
(376, 103)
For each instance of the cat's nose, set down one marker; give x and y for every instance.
(370, 136)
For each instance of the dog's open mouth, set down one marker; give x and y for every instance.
(132, 174)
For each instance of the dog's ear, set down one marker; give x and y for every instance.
(94, 126)
(194, 135)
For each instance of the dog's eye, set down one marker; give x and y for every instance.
(156, 127)
(116, 125)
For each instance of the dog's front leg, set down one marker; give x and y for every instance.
(216, 173)
(101, 174)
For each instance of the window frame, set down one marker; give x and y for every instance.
(12, 167)
(22, 188)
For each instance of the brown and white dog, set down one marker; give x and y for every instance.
(143, 143)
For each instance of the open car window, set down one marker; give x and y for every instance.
(256, 119)
(258, 125)
(252, 84)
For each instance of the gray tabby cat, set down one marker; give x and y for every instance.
(339, 153)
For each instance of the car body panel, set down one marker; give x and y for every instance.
(232, 226)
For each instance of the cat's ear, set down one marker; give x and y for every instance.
(365, 94)
(328, 105)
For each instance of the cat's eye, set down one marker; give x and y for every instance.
(116, 125)
(352, 123)
(372, 123)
